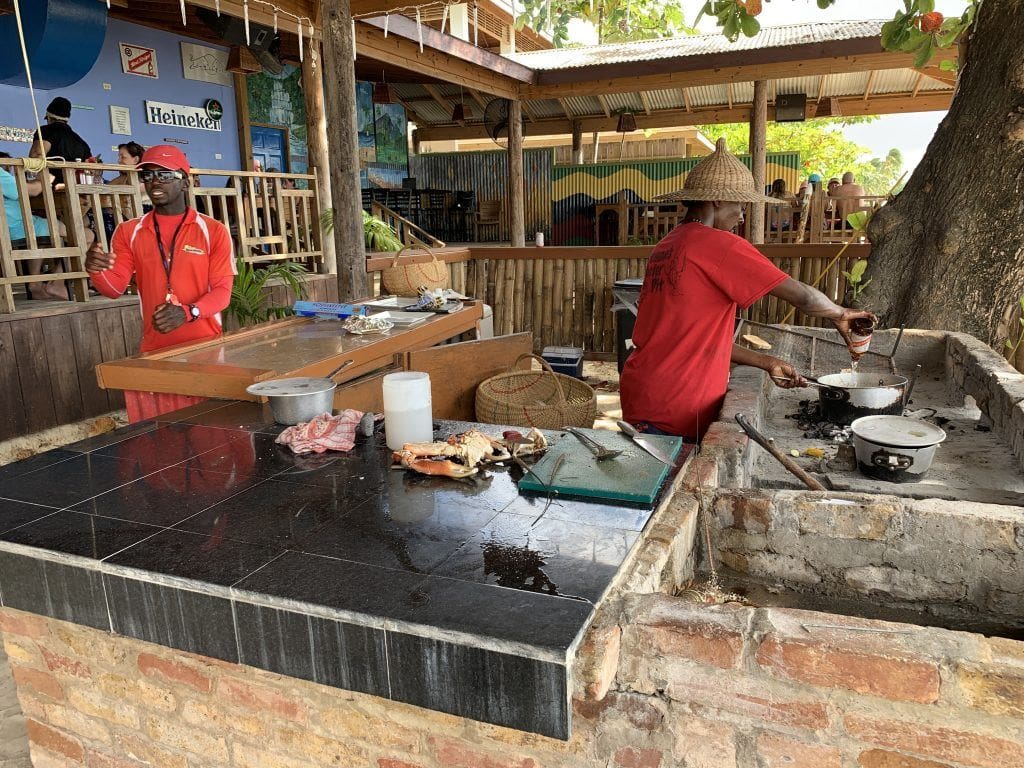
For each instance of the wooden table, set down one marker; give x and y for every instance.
(225, 366)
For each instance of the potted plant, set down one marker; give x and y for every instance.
(249, 295)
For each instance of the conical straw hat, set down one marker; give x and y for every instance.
(719, 176)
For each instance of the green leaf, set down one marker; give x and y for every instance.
(858, 220)
(731, 29)
(924, 54)
(749, 25)
(825, 4)
(1009, 344)
(858, 268)
(925, 6)
(949, 65)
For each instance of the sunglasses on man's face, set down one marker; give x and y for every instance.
(164, 176)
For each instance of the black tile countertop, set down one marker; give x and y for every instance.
(459, 596)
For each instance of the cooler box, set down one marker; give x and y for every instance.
(567, 360)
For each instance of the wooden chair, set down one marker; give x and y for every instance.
(487, 214)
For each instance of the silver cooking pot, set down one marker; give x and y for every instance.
(896, 449)
(299, 399)
(848, 396)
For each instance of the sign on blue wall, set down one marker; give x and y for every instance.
(106, 85)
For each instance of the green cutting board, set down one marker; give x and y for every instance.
(634, 476)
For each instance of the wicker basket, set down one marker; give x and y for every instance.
(528, 398)
(406, 279)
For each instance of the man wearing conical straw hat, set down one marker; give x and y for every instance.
(675, 380)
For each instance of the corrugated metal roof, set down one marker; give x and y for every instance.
(697, 45)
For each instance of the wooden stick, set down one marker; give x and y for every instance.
(782, 458)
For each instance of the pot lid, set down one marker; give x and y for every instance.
(897, 431)
(850, 380)
(291, 387)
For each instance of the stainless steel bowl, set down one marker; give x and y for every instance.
(297, 400)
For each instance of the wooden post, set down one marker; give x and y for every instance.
(517, 210)
(242, 106)
(758, 156)
(577, 142)
(316, 132)
(597, 138)
(343, 151)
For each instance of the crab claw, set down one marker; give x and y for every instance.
(437, 467)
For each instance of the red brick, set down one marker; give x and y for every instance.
(711, 635)
(23, 624)
(899, 679)
(706, 690)
(54, 741)
(880, 758)
(458, 754)
(94, 759)
(174, 672)
(260, 699)
(749, 512)
(65, 665)
(638, 709)
(776, 751)
(960, 747)
(635, 757)
(701, 474)
(387, 762)
(40, 682)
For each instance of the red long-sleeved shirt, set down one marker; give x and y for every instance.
(202, 273)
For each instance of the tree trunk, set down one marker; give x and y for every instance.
(948, 253)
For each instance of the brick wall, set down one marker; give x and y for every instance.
(690, 686)
(959, 562)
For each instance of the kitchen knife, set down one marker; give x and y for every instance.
(648, 445)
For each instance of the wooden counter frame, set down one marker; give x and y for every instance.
(155, 372)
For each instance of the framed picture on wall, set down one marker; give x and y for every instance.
(138, 60)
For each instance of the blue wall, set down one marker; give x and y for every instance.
(131, 91)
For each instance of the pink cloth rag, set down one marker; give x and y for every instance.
(323, 433)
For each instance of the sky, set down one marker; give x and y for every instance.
(909, 133)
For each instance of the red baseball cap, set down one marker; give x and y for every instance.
(166, 156)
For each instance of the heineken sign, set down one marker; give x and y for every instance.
(180, 116)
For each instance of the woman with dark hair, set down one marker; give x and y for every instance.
(128, 154)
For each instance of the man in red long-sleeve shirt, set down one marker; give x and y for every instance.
(183, 264)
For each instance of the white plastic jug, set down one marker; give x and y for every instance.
(408, 409)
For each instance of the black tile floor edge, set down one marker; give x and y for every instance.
(325, 651)
(194, 622)
(50, 588)
(511, 691)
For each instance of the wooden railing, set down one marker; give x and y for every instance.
(408, 232)
(269, 217)
(563, 296)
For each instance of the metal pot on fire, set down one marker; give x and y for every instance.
(895, 449)
(848, 396)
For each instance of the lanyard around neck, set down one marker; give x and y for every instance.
(168, 261)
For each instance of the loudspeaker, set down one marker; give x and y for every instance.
(790, 107)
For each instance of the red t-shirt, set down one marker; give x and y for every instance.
(677, 376)
(203, 256)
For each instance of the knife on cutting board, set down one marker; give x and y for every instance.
(648, 445)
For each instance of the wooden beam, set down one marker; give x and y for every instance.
(529, 113)
(444, 58)
(339, 72)
(261, 14)
(758, 157)
(822, 82)
(625, 82)
(686, 99)
(480, 100)
(516, 198)
(944, 77)
(316, 143)
(646, 102)
(577, 143)
(604, 105)
(675, 118)
(728, 93)
(917, 85)
(871, 81)
(565, 108)
(438, 98)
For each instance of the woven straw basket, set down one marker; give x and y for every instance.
(406, 279)
(528, 398)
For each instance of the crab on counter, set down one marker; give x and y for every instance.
(461, 455)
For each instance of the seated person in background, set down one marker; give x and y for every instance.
(127, 154)
(848, 197)
(832, 184)
(56, 139)
(779, 192)
(53, 290)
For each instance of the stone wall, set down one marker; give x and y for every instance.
(944, 561)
